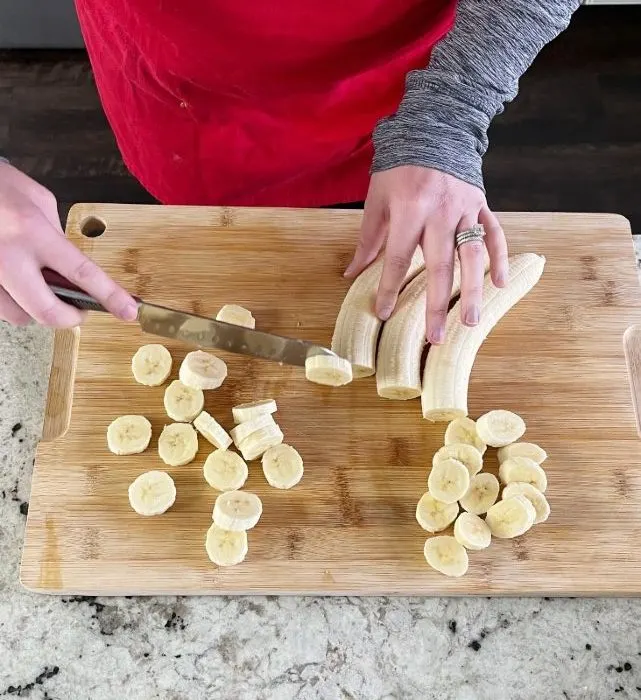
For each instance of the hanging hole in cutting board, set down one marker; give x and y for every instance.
(92, 227)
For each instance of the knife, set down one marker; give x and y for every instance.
(196, 330)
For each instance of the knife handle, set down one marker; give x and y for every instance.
(69, 293)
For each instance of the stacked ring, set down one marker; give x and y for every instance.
(476, 233)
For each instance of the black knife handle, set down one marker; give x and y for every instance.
(69, 293)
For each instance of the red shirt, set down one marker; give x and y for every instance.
(255, 103)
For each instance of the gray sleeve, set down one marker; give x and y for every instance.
(447, 108)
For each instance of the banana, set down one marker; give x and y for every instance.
(448, 367)
(446, 555)
(129, 435)
(472, 532)
(482, 494)
(357, 325)
(236, 315)
(202, 370)
(449, 480)
(466, 454)
(212, 431)
(523, 449)
(524, 470)
(151, 365)
(224, 547)
(254, 445)
(224, 470)
(536, 498)
(178, 444)
(463, 430)
(247, 411)
(433, 515)
(152, 493)
(237, 510)
(182, 402)
(244, 430)
(500, 428)
(511, 517)
(282, 466)
(328, 369)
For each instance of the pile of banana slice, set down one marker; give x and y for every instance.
(456, 481)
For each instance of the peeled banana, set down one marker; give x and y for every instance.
(500, 428)
(178, 444)
(463, 430)
(151, 365)
(129, 435)
(536, 498)
(482, 493)
(472, 532)
(212, 431)
(248, 411)
(224, 470)
(523, 449)
(225, 547)
(237, 510)
(433, 515)
(328, 369)
(449, 480)
(446, 555)
(282, 466)
(245, 429)
(183, 403)
(466, 454)
(237, 315)
(202, 370)
(511, 517)
(254, 445)
(523, 470)
(152, 493)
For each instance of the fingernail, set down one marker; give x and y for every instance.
(349, 269)
(472, 316)
(436, 335)
(385, 312)
(129, 312)
(500, 279)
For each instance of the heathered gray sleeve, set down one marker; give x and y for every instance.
(447, 108)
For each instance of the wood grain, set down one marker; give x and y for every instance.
(557, 359)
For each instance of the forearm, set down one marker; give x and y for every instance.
(443, 118)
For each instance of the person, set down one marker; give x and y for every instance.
(297, 103)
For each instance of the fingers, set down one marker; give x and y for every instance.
(438, 248)
(11, 312)
(472, 274)
(496, 247)
(372, 237)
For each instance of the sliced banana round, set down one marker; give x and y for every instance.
(472, 532)
(282, 466)
(183, 403)
(178, 444)
(446, 555)
(433, 515)
(151, 365)
(466, 454)
(237, 510)
(482, 494)
(129, 435)
(212, 430)
(244, 430)
(449, 480)
(464, 430)
(536, 498)
(225, 547)
(152, 493)
(248, 411)
(254, 445)
(511, 517)
(500, 428)
(523, 449)
(202, 370)
(330, 370)
(524, 470)
(237, 315)
(225, 470)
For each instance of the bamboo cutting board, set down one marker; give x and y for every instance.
(557, 359)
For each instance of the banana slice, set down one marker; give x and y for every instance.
(536, 498)
(524, 470)
(224, 547)
(523, 449)
(248, 411)
(182, 402)
(129, 435)
(152, 493)
(244, 430)
(472, 532)
(328, 369)
(511, 517)
(433, 515)
(260, 441)
(151, 364)
(178, 444)
(446, 555)
(463, 430)
(237, 315)
(282, 466)
(449, 480)
(212, 431)
(237, 510)
(202, 370)
(500, 428)
(466, 454)
(482, 494)
(225, 470)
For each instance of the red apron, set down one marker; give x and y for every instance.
(255, 103)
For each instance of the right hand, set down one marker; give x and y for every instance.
(31, 239)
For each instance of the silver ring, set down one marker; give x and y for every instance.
(476, 233)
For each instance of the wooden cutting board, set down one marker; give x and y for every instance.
(557, 359)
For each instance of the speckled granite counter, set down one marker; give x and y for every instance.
(282, 648)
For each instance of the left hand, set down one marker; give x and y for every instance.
(411, 205)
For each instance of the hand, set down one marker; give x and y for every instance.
(410, 206)
(31, 239)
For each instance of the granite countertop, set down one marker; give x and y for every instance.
(240, 648)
